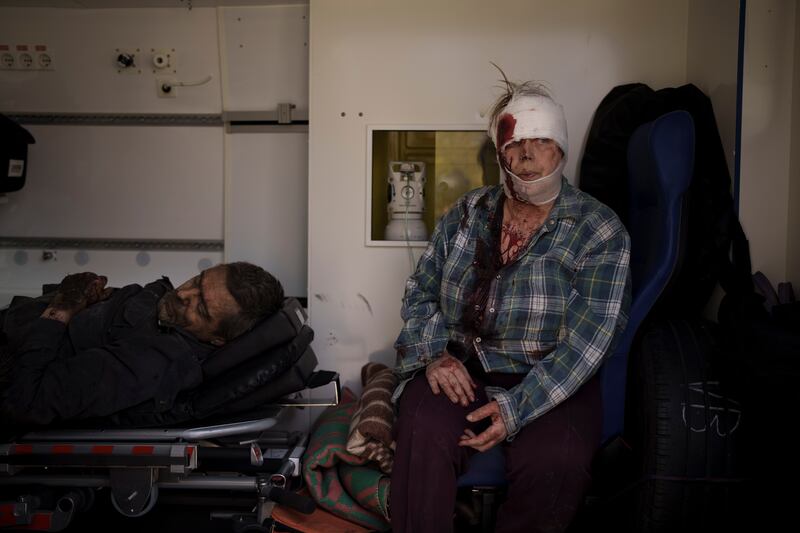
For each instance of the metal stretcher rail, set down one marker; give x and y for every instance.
(188, 434)
(134, 464)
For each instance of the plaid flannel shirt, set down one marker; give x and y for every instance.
(552, 313)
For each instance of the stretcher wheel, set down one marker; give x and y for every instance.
(148, 506)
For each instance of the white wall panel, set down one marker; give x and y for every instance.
(422, 62)
(793, 236)
(267, 198)
(766, 133)
(120, 182)
(83, 44)
(265, 56)
(711, 62)
(24, 271)
(712, 54)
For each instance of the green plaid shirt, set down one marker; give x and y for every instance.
(551, 314)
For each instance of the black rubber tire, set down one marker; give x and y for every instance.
(685, 428)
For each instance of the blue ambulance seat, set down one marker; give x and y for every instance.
(660, 167)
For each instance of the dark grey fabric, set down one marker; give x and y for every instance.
(262, 375)
(110, 357)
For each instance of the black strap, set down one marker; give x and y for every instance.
(735, 276)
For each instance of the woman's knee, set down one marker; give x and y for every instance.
(428, 416)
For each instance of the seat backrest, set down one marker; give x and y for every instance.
(660, 166)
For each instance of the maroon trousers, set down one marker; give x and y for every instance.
(547, 463)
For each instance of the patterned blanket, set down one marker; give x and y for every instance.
(319, 521)
(339, 481)
(371, 428)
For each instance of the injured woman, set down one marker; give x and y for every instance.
(511, 310)
(85, 350)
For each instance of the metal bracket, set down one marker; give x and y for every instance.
(117, 119)
(112, 244)
(132, 490)
(27, 514)
(5, 468)
(285, 113)
(16, 513)
(286, 118)
(332, 383)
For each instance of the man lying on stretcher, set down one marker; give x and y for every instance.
(87, 351)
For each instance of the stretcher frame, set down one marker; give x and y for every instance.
(136, 464)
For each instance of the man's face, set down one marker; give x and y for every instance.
(531, 159)
(199, 305)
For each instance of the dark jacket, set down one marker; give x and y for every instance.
(111, 356)
(709, 207)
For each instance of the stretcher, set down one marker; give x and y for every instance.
(215, 445)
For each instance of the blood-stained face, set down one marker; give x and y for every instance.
(531, 159)
(200, 305)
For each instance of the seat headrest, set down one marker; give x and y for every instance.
(661, 160)
(274, 330)
(661, 166)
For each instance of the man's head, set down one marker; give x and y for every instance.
(222, 302)
(529, 131)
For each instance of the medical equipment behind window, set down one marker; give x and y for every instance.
(406, 201)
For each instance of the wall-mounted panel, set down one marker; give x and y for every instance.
(767, 95)
(265, 56)
(793, 236)
(136, 182)
(711, 62)
(267, 205)
(84, 77)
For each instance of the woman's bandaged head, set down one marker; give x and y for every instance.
(529, 117)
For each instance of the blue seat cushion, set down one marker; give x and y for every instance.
(485, 468)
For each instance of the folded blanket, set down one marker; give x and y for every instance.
(370, 433)
(319, 521)
(339, 481)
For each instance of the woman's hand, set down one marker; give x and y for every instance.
(449, 375)
(493, 435)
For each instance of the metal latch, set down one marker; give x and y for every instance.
(285, 113)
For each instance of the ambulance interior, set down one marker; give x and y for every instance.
(170, 136)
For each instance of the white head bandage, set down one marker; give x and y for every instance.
(530, 117)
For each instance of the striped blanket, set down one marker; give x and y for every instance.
(371, 428)
(339, 481)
